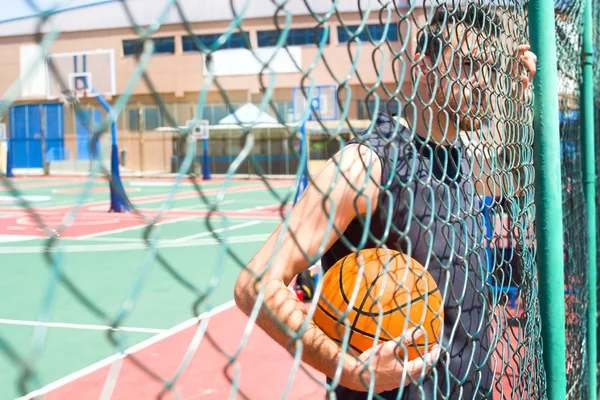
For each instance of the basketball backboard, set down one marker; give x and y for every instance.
(323, 101)
(199, 129)
(84, 73)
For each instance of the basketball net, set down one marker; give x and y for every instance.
(71, 97)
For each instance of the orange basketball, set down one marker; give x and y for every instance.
(385, 297)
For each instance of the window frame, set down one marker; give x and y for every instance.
(235, 41)
(269, 38)
(375, 28)
(136, 46)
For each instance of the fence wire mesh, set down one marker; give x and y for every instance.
(569, 25)
(456, 192)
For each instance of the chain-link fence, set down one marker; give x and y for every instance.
(569, 23)
(438, 127)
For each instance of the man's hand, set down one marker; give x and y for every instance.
(383, 365)
(529, 60)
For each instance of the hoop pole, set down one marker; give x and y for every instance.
(9, 170)
(303, 162)
(205, 164)
(119, 202)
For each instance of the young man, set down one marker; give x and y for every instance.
(416, 185)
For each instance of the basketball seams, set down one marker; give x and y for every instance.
(337, 321)
(400, 307)
(364, 300)
(342, 281)
(365, 323)
(361, 332)
(358, 310)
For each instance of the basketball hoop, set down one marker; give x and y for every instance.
(72, 97)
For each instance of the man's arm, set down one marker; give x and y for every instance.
(309, 222)
(339, 180)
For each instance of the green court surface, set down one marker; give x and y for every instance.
(116, 271)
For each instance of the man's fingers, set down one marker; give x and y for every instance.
(530, 63)
(432, 355)
(530, 68)
(533, 56)
(411, 336)
(421, 365)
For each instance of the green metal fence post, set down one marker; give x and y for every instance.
(549, 228)
(589, 182)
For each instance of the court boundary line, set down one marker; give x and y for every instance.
(66, 325)
(130, 228)
(209, 233)
(133, 349)
(153, 198)
(135, 246)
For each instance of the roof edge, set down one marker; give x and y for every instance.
(55, 11)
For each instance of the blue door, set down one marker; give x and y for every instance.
(30, 126)
(55, 141)
(85, 129)
(19, 143)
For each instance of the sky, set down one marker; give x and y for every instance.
(20, 8)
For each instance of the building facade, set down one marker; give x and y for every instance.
(243, 49)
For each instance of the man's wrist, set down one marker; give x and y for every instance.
(351, 372)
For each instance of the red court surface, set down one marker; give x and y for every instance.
(93, 219)
(264, 368)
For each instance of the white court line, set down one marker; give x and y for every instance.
(258, 208)
(77, 326)
(130, 228)
(142, 345)
(203, 234)
(162, 240)
(84, 248)
(198, 206)
(159, 184)
(103, 207)
(112, 240)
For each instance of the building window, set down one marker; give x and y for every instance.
(164, 45)
(131, 47)
(296, 37)
(216, 112)
(134, 120)
(235, 41)
(376, 31)
(151, 118)
(285, 110)
(364, 106)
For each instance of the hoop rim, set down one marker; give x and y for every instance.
(74, 96)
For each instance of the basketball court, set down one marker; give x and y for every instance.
(151, 286)
(169, 289)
